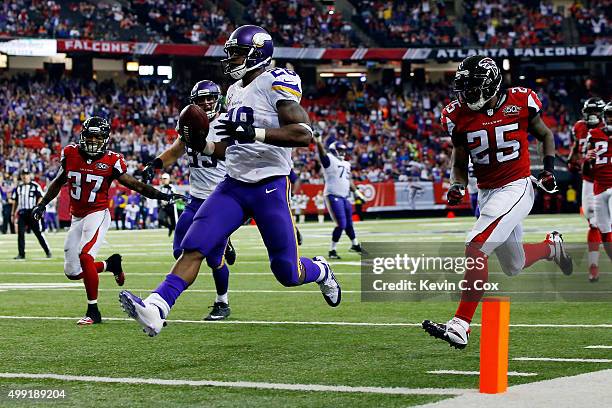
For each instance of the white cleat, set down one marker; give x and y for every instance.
(455, 332)
(559, 254)
(329, 286)
(146, 314)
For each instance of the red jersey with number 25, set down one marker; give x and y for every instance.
(602, 167)
(90, 179)
(496, 138)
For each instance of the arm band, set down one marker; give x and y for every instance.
(158, 163)
(209, 149)
(260, 135)
(549, 163)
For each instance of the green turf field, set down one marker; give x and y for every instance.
(275, 335)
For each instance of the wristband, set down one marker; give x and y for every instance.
(158, 163)
(549, 163)
(209, 149)
(260, 135)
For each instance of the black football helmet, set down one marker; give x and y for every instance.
(592, 110)
(477, 81)
(94, 136)
(607, 117)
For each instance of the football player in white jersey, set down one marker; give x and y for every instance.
(205, 173)
(265, 121)
(338, 187)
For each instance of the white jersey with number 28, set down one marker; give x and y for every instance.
(256, 105)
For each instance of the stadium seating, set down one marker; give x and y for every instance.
(488, 23)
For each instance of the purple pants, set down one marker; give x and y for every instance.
(215, 258)
(474, 203)
(267, 202)
(341, 211)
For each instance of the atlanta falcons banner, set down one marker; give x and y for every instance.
(345, 54)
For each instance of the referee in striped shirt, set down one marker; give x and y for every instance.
(25, 197)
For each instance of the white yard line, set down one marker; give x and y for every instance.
(244, 384)
(455, 372)
(302, 323)
(564, 360)
(584, 390)
(598, 347)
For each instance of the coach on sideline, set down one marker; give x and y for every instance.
(26, 196)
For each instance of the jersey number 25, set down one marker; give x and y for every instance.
(480, 153)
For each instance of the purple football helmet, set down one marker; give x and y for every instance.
(338, 149)
(205, 92)
(248, 48)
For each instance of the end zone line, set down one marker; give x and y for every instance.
(288, 322)
(456, 372)
(567, 360)
(245, 384)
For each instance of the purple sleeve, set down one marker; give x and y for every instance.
(292, 176)
(325, 161)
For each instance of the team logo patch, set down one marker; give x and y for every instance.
(512, 110)
(102, 166)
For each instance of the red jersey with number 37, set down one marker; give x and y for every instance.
(90, 179)
(602, 167)
(580, 132)
(496, 138)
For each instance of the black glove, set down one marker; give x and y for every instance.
(455, 193)
(170, 198)
(241, 132)
(148, 173)
(547, 181)
(38, 212)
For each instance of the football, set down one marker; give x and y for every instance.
(193, 127)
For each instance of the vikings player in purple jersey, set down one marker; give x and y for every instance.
(265, 121)
(205, 173)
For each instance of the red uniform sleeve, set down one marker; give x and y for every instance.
(120, 167)
(448, 121)
(534, 104)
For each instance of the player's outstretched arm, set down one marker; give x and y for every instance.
(146, 189)
(52, 191)
(321, 149)
(166, 158)
(295, 130)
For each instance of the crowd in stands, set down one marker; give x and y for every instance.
(407, 23)
(306, 23)
(185, 21)
(391, 133)
(302, 23)
(512, 23)
(593, 23)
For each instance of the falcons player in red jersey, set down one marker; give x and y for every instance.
(591, 119)
(89, 169)
(492, 127)
(599, 159)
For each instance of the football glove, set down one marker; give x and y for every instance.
(546, 181)
(455, 193)
(38, 212)
(317, 137)
(241, 132)
(148, 173)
